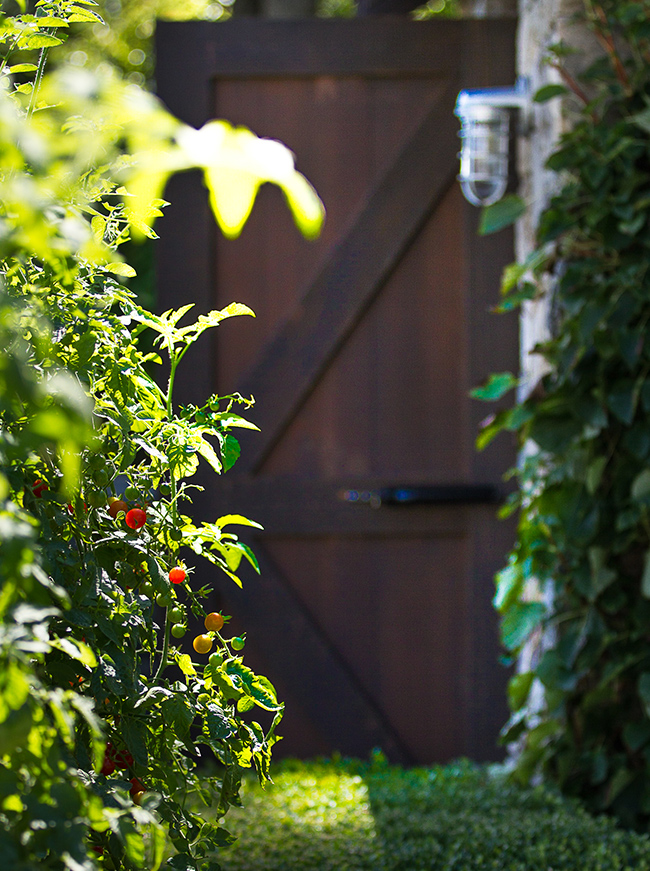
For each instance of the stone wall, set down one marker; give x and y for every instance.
(543, 23)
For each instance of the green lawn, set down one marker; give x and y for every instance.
(348, 816)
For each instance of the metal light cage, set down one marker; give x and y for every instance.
(485, 133)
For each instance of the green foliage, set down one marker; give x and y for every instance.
(501, 214)
(438, 9)
(124, 39)
(339, 816)
(584, 483)
(103, 720)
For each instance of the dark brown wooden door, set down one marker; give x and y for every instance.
(372, 615)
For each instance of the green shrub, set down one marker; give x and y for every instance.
(338, 816)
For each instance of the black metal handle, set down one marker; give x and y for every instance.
(440, 494)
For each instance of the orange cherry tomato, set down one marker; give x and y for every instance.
(202, 644)
(116, 506)
(214, 622)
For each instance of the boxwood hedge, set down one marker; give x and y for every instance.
(342, 815)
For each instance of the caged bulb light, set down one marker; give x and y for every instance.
(485, 134)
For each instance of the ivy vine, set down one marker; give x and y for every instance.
(578, 579)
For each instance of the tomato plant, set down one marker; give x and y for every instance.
(95, 698)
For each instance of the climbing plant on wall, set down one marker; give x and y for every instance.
(578, 578)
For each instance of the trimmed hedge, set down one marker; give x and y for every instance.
(351, 816)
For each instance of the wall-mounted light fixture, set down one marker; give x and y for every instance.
(485, 133)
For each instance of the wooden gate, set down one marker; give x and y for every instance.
(372, 615)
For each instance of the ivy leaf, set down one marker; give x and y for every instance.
(497, 385)
(518, 689)
(547, 92)
(645, 579)
(519, 621)
(601, 576)
(500, 215)
(554, 674)
(622, 400)
(595, 474)
(641, 486)
(636, 735)
(644, 691)
(509, 582)
(555, 433)
(642, 120)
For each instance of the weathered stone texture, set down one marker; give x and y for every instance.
(543, 23)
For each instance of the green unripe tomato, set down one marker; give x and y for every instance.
(164, 600)
(96, 461)
(178, 630)
(215, 660)
(164, 489)
(237, 643)
(176, 615)
(97, 498)
(175, 534)
(100, 477)
(146, 589)
(131, 493)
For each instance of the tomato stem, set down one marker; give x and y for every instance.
(174, 360)
(164, 656)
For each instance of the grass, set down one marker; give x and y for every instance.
(344, 815)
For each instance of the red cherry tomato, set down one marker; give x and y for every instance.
(71, 507)
(177, 575)
(39, 487)
(123, 759)
(109, 765)
(136, 785)
(135, 518)
(116, 506)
